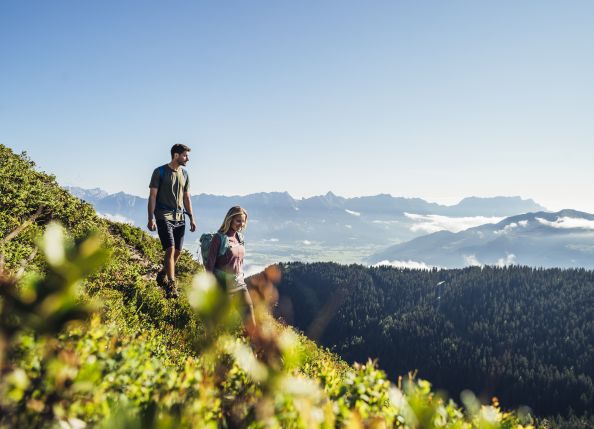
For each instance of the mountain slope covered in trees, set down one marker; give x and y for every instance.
(524, 335)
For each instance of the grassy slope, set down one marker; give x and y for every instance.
(140, 352)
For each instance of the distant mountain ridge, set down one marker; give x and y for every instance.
(543, 239)
(320, 228)
(471, 206)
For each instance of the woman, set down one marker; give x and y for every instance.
(226, 254)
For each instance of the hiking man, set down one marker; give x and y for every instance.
(169, 195)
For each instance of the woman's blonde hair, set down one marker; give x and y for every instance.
(233, 211)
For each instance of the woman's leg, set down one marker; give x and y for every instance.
(251, 317)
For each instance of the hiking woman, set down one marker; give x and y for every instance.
(228, 266)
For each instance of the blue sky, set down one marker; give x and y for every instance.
(432, 99)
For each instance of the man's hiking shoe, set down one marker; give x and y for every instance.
(171, 289)
(162, 277)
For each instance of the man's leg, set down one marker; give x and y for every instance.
(176, 256)
(170, 286)
(170, 260)
(178, 236)
(165, 231)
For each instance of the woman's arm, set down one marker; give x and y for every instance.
(213, 252)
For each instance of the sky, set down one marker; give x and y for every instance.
(434, 99)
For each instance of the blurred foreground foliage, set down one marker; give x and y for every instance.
(117, 372)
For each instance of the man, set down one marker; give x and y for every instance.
(169, 195)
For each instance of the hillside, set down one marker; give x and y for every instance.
(524, 335)
(88, 340)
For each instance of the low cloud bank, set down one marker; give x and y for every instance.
(510, 227)
(435, 223)
(472, 261)
(509, 259)
(116, 218)
(415, 265)
(568, 223)
(250, 270)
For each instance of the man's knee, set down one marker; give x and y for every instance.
(170, 251)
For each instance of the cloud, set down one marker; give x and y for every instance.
(580, 248)
(250, 270)
(568, 223)
(271, 240)
(511, 226)
(306, 242)
(510, 259)
(404, 264)
(385, 222)
(116, 218)
(349, 226)
(434, 223)
(472, 261)
(507, 228)
(351, 212)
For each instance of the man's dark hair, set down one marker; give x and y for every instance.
(179, 148)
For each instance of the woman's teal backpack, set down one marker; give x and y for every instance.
(206, 240)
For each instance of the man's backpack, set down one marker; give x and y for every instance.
(206, 240)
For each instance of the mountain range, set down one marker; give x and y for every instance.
(382, 229)
(326, 227)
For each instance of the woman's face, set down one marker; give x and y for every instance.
(238, 222)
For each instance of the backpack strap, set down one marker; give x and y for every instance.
(224, 243)
(162, 172)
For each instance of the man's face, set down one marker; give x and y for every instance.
(182, 158)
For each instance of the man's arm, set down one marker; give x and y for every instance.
(152, 202)
(188, 206)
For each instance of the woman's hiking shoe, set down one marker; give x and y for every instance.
(162, 277)
(171, 290)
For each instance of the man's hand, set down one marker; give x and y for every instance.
(192, 225)
(152, 225)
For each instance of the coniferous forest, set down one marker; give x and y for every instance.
(521, 334)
